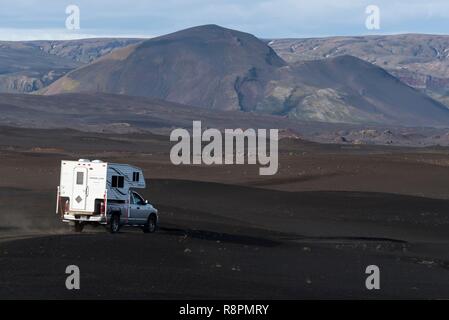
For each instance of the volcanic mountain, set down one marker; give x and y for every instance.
(201, 66)
(223, 69)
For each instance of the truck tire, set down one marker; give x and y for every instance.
(151, 225)
(114, 225)
(78, 227)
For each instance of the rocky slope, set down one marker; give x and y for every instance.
(419, 60)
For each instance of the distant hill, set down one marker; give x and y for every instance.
(82, 50)
(419, 60)
(223, 69)
(348, 89)
(28, 66)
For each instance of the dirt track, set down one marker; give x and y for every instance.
(228, 233)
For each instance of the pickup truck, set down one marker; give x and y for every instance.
(99, 193)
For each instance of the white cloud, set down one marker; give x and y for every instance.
(11, 34)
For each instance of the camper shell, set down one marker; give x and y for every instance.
(91, 191)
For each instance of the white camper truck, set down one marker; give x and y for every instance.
(100, 193)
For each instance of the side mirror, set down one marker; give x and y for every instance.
(146, 201)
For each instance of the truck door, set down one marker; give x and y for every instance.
(137, 208)
(80, 192)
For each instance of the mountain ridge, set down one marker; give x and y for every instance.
(218, 68)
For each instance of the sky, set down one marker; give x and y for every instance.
(46, 19)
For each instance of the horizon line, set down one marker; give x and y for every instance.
(30, 35)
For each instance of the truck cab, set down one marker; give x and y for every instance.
(135, 212)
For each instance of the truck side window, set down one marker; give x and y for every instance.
(138, 199)
(136, 176)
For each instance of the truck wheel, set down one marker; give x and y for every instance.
(79, 226)
(114, 225)
(151, 225)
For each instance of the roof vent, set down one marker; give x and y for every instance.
(83, 160)
(97, 161)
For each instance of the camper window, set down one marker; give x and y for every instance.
(136, 176)
(118, 182)
(80, 178)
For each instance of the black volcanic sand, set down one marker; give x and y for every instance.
(230, 234)
(170, 265)
(256, 244)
